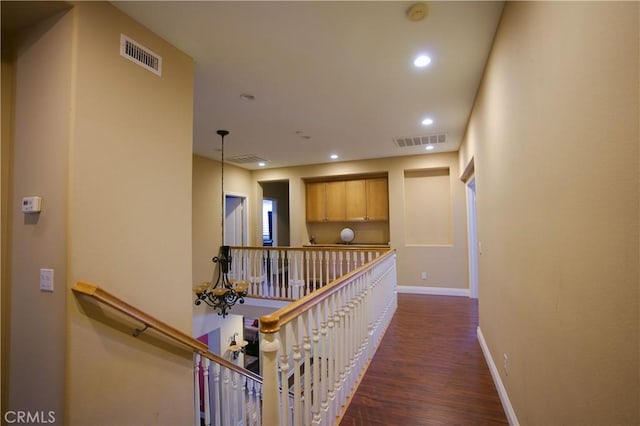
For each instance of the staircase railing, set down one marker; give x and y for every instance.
(320, 345)
(314, 351)
(291, 273)
(229, 394)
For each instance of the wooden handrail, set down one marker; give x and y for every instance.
(319, 247)
(271, 323)
(103, 296)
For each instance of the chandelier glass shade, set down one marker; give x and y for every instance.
(221, 293)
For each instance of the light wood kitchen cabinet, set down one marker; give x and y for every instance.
(335, 201)
(354, 200)
(367, 199)
(325, 201)
(356, 208)
(315, 202)
(377, 199)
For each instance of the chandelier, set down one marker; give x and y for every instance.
(221, 293)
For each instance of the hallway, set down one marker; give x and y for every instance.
(428, 370)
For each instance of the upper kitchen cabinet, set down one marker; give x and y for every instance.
(367, 199)
(325, 201)
(377, 199)
(315, 202)
(348, 200)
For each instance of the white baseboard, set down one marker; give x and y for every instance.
(435, 291)
(502, 392)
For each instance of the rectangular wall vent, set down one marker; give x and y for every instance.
(420, 140)
(139, 54)
(244, 159)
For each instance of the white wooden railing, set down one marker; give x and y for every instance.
(319, 346)
(291, 273)
(230, 395)
(314, 351)
(225, 396)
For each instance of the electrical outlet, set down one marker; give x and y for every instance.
(423, 275)
(506, 363)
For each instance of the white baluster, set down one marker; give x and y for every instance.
(253, 273)
(316, 348)
(284, 377)
(294, 279)
(280, 266)
(331, 357)
(266, 268)
(207, 401)
(251, 402)
(241, 399)
(270, 346)
(321, 268)
(196, 388)
(258, 411)
(297, 390)
(342, 362)
(217, 389)
(305, 259)
(286, 290)
(308, 322)
(235, 397)
(273, 259)
(314, 256)
(226, 397)
(333, 266)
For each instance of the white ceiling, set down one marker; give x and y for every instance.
(328, 77)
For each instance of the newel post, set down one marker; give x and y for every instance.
(269, 346)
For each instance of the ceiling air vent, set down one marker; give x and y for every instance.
(139, 54)
(245, 159)
(420, 140)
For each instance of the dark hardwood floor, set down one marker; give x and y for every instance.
(428, 370)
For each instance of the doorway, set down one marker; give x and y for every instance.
(269, 225)
(275, 210)
(235, 221)
(472, 230)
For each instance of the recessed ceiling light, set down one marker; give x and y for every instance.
(430, 148)
(262, 164)
(427, 122)
(422, 61)
(334, 156)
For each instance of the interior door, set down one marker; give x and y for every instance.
(235, 221)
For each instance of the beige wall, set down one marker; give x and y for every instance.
(554, 137)
(39, 161)
(428, 214)
(6, 91)
(85, 122)
(445, 265)
(130, 222)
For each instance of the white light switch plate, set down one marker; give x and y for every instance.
(46, 280)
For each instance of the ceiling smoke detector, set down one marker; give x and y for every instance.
(417, 12)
